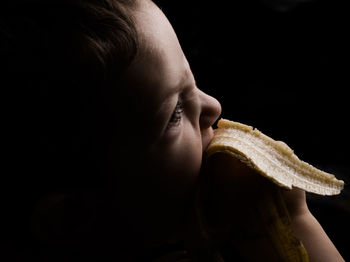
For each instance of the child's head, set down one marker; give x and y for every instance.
(128, 108)
(168, 124)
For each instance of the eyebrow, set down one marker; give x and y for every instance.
(181, 83)
(174, 90)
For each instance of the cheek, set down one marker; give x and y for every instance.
(181, 164)
(187, 163)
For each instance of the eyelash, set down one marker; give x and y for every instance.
(177, 115)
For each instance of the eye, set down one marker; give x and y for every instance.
(176, 116)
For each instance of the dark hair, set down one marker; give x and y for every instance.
(60, 65)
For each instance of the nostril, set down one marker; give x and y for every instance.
(211, 110)
(216, 121)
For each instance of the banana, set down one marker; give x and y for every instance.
(272, 159)
(241, 162)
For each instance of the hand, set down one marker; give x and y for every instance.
(241, 186)
(234, 190)
(295, 200)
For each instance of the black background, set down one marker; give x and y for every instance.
(285, 72)
(282, 67)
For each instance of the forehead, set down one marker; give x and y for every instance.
(160, 54)
(159, 67)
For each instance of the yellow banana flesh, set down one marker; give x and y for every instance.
(272, 159)
(254, 222)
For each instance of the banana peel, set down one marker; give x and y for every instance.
(239, 203)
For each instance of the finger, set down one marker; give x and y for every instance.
(295, 200)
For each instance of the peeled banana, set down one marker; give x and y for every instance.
(261, 230)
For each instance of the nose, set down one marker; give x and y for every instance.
(211, 110)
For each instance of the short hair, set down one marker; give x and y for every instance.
(60, 64)
(62, 60)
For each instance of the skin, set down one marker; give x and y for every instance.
(235, 180)
(319, 246)
(160, 158)
(158, 181)
(157, 156)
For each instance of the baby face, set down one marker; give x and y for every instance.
(168, 123)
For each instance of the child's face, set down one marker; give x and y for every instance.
(168, 126)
